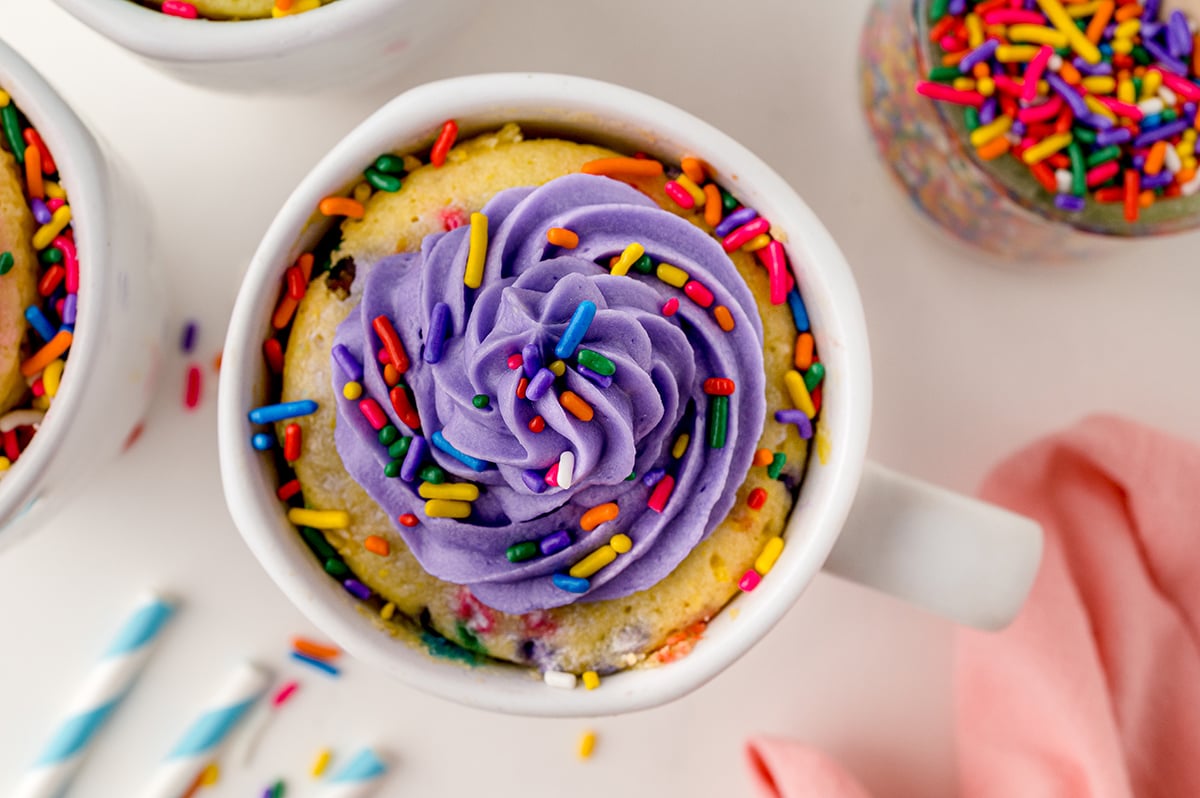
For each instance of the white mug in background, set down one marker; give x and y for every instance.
(109, 377)
(967, 560)
(344, 44)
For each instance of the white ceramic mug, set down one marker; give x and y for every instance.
(968, 560)
(108, 380)
(344, 44)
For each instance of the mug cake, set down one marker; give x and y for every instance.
(539, 400)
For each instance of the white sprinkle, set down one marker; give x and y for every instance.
(566, 469)
(560, 679)
(1063, 178)
(21, 418)
(1055, 63)
(1151, 107)
(1168, 97)
(1192, 186)
(1173, 161)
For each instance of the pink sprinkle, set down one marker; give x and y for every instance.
(1013, 16)
(38, 388)
(749, 580)
(698, 293)
(1102, 173)
(453, 218)
(680, 195)
(191, 397)
(1033, 73)
(515, 362)
(1040, 113)
(55, 204)
(671, 306)
(373, 413)
(285, 693)
(178, 8)
(1009, 86)
(938, 91)
(774, 260)
(744, 233)
(662, 492)
(552, 476)
(1180, 86)
(1127, 110)
(71, 259)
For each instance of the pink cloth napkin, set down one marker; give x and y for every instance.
(1094, 691)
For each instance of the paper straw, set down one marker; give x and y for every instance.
(203, 738)
(358, 778)
(109, 682)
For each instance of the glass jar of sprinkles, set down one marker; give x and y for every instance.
(1104, 143)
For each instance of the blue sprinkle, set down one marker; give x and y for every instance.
(439, 327)
(1069, 202)
(531, 359)
(348, 363)
(188, 343)
(570, 583)
(413, 458)
(262, 442)
(600, 379)
(540, 383)
(473, 463)
(799, 312)
(271, 413)
(577, 327)
(38, 321)
(653, 477)
(320, 665)
(554, 542)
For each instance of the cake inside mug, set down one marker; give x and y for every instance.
(39, 282)
(232, 10)
(541, 401)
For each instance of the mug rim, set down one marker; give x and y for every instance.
(838, 324)
(82, 175)
(164, 37)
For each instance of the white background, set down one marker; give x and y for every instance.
(972, 359)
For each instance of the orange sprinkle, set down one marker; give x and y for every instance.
(1132, 187)
(763, 457)
(695, 169)
(284, 5)
(572, 403)
(712, 205)
(1185, 175)
(724, 318)
(53, 350)
(623, 167)
(315, 650)
(804, 351)
(981, 70)
(377, 545)
(390, 375)
(1128, 12)
(598, 515)
(341, 206)
(445, 140)
(1100, 19)
(1146, 198)
(305, 262)
(283, 313)
(562, 237)
(1070, 74)
(33, 172)
(952, 59)
(994, 148)
(1154, 158)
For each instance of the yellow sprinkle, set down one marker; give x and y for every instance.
(681, 444)
(1125, 91)
(40, 403)
(1045, 148)
(473, 278)
(799, 393)
(734, 612)
(964, 84)
(319, 519)
(691, 188)
(758, 242)
(52, 377)
(627, 259)
(768, 556)
(1080, 10)
(1099, 108)
(5, 463)
(4, 98)
(447, 508)
(1037, 34)
(1122, 46)
(387, 611)
(298, 7)
(321, 762)
(54, 190)
(587, 744)
(459, 491)
(1151, 83)
(1016, 53)
(362, 192)
(1128, 29)
(47, 232)
(986, 86)
(210, 775)
(992, 130)
(1075, 38)
(824, 445)
(592, 563)
(1102, 84)
(720, 572)
(621, 543)
(557, 368)
(974, 30)
(672, 275)
(591, 680)
(352, 390)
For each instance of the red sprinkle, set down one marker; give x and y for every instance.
(285, 692)
(698, 293)
(295, 283)
(515, 362)
(537, 424)
(744, 233)
(756, 499)
(288, 489)
(403, 406)
(292, 438)
(273, 354)
(12, 449)
(391, 342)
(671, 306)
(373, 413)
(191, 397)
(522, 387)
(719, 386)
(38, 388)
(662, 492)
(50, 280)
(408, 519)
(32, 138)
(445, 140)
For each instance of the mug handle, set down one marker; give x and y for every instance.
(963, 559)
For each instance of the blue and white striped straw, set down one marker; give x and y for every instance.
(203, 739)
(109, 682)
(358, 778)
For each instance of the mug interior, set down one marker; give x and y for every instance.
(628, 121)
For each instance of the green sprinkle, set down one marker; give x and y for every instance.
(813, 377)
(945, 74)
(390, 164)
(381, 182)
(336, 568)
(1169, 115)
(388, 435)
(1086, 135)
(439, 646)
(937, 9)
(1100, 156)
(596, 362)
(643, 265)
(1078, 188)
(51, 255)
(718, 421)
(1142, 56)
(277, 789)
(776, 466)
(432, 474)
(317, 542)
(400, 448)
(12, 132)
(632, 476)
(481, 401)
(971, 117)
(392, 469)
(469, 640)
(6, 263)
(728, 201)
(520, 552)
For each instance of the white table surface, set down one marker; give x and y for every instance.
(972, 358)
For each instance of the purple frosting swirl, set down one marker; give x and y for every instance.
(530, 291)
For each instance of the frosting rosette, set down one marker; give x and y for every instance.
(528, 442)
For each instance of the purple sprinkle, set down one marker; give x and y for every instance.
(1064, 90)
(652, 478)
(1018, 128)
(1159, 133)
(977, 56)
(797, 417)
(534, 480)
(1179, 35)
(540, 383)
(348, 363)
(70, 308)
(1096, 121)
(189, 337)
(1160, 180)
(40, 212)
(1102, 68)
(1068, 202)
(1139, 161)
(531, 359)
(957, 7)
(554, 542)
(1115, 135)
(1150, 29)
(987, 111)
(735, 220)
(1164, 58)
(413, 458)
(1189, 109)
(600, 379)
(357, 589)
(439, 326)
(1150, 10)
